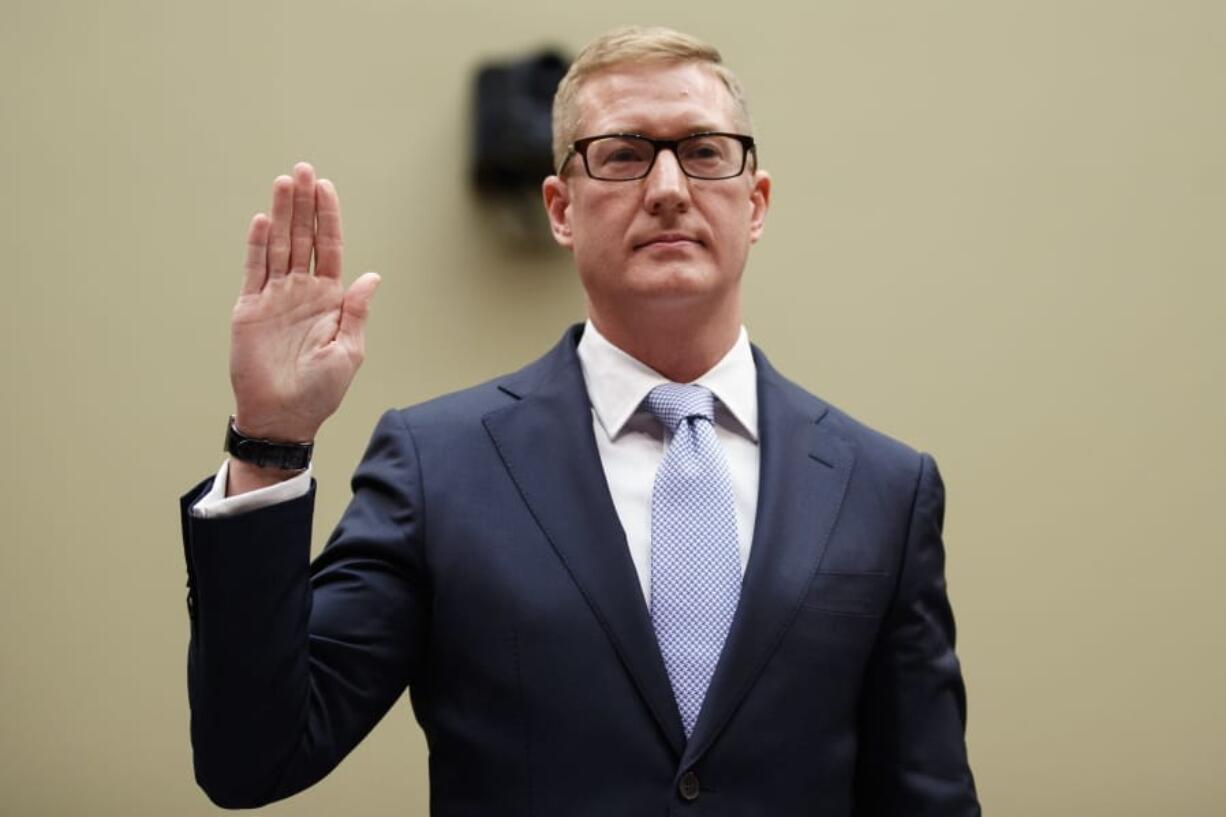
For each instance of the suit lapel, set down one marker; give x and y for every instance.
(545, 440)
(804, 473)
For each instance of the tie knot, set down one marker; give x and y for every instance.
(673, 402)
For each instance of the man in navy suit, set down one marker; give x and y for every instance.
(503, 554)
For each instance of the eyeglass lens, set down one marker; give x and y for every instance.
(704, 156)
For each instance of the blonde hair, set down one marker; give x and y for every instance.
(634, 44)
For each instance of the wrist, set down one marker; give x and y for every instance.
(281, 433)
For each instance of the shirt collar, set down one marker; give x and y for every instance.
(617, 383)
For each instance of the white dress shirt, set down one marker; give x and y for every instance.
(629, 439)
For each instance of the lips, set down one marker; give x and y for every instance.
(667, 240)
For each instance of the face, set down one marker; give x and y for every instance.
(666, 240)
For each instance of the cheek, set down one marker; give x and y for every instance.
(733, 227)
(598, 231)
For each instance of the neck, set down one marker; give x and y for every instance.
(682, 345)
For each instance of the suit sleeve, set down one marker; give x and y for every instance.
(291, 664)
(912, 760)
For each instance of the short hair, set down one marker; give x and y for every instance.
(634, 44)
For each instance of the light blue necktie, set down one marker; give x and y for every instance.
(695, 562)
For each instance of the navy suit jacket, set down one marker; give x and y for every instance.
(481, 565)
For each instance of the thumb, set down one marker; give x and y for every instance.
(355, 308)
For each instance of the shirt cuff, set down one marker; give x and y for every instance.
(215, 504)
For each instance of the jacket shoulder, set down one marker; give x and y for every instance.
(459, 409)
(870, 441)
(878, 454)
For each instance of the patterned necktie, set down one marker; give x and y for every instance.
(695, 562)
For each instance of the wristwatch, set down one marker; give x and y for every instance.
(266, 453)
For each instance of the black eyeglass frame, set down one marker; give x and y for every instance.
(580, 146)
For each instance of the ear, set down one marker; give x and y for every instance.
(759, 201)
(557, 205)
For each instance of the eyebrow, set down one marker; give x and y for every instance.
(705, 127)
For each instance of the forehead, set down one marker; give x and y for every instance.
(662, 100)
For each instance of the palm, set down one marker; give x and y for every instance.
(296, 335)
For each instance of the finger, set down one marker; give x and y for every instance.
(302, 225)
(354, 310)
(278, 233)
(329, 243)
(255, 269)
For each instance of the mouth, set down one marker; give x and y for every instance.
(668, 240)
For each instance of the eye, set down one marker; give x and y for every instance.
(619, 150)
(706, 149)
(623, 155)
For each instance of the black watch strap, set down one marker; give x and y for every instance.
(266, 453)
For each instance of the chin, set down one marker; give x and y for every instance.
(679, 289)
(673, 289)
(679, 277)
(667, 284)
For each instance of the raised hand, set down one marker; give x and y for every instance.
(296, 336)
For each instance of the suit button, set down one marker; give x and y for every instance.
(689, 786)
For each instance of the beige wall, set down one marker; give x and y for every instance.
(997, 233)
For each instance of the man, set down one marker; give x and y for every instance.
(645, 574)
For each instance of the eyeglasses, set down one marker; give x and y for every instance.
(624, 157)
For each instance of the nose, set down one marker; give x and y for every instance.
(667, 187)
